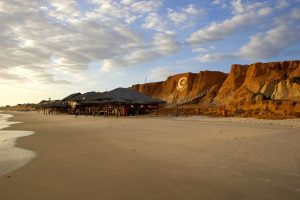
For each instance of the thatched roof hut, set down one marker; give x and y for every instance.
(84, 97)
(125, 95)
(71, 97)
(120, 102)
(52, 104)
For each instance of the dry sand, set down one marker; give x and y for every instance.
(100, 158)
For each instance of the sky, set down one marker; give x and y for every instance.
(52, 48)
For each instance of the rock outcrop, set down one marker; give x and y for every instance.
(257, 90)
(287, 90)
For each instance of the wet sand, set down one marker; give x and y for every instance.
(12, 157)
(155, 158)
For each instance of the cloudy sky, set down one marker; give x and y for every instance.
(51, 48)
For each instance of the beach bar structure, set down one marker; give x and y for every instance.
(118, 102)
(53, 107)
(74, 100)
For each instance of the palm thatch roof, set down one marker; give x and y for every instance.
(85, 97)
(71, 97)
(52, 104)
(119, 95)
(125, 95)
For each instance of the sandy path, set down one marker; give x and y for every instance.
(148, 158)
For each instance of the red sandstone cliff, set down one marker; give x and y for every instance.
(276, 81)
(182, 87)
(259, 89)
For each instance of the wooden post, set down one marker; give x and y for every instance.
(117, 111)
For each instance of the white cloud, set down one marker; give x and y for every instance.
(271, 43)
(128, 10)
(215, 57)
(162, 45)
(222, 3)
(110, 11)
(200, 50)
(240, 7)
(145, 6)
(265, 45)
(52, 41)
(192, 10)
(177, 17)
(128, 2)
(185, 15)
(159, 73)
(67, 10)
(281, 4)
(244, 15)
(165, 44)
(155, 22)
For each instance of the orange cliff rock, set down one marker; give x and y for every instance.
(233, 82)
(266, 90)
(182, 87)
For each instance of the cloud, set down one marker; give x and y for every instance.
(271, 43)
(177, 17)
(222, 3)
(183, 15)
(51, 36)
(63, 10)
(145, 6)
(162, 45)
(216, 57)
(200, 50)
(240, 8)
(281, 4)
(159, 73)
(50, 79)
(10, 77)
(244, 15)
(265, 45)
(155, 22)
(128, 10)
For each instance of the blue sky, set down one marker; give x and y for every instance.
(51, 48)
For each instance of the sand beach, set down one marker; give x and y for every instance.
(155, 158)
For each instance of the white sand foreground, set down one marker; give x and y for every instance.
(156, 159)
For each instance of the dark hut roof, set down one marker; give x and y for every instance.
(126, 95)
(52, 104)
(85, 97)
(71, 97)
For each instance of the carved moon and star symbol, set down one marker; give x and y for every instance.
(182, 83)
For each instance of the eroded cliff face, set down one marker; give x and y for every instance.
(182, 87)
(256, 90)
(233, 82)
